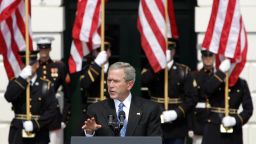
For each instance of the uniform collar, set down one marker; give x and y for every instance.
(45, 63)
(208, 71)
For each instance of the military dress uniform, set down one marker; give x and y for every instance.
(56, 72)
(90, 85)
(239, 94)
(198, 117)
(42, 107)
(182, 96)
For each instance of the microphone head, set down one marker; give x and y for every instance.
(121, 115)
(110, 119)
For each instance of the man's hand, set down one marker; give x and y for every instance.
(191, 133)
(28, 126)
(228, 121)
(225, 65)
(101, 58)
(168, 56)
(90, 126)
(26, 72)
(169, 116)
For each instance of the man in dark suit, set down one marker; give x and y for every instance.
(123, 114)
(42, 105)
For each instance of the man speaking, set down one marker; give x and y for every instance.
(123, 114)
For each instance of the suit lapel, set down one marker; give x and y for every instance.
(135, 114)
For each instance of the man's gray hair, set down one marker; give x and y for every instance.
(129, 70)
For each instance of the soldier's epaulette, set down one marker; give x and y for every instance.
(46, 80)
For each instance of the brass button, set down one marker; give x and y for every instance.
(44, 72)
(229, 90)
(44, 67)
(39, 98)
(84, 110)
(209, 121)
(44, 77)
(238, 91)
(30, 106)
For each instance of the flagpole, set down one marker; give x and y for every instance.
(102, 47)
(166, 98)
(222, 128)
(226, 95)
(28, 112)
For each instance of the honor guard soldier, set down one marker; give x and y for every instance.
(198, 117)
(91, 76)
(42, 105)
(56, 72)
(238, 95)
(181, 92)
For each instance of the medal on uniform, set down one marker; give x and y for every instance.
(54, 73)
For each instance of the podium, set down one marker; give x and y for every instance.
(116, 140)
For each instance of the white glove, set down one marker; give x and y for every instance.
(63, 125)
(191, 133)
(28, 126)
(169, 115)
(228, 121)
(168, 55)
(225, 65)
(101, 58)
(106, 67)
(26, 72)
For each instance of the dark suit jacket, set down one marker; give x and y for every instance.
(144, 117)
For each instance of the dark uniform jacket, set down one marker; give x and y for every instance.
(239, 95)
(144, 117)
(182, 95)
(90, 85)
(198, 117)
(42, 107)
(56, 72)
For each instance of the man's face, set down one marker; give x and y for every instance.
(118, 88)
(44, 53)
(208, 61)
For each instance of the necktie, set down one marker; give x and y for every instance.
(123, 130)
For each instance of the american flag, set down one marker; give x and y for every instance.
(12, 34)
(155, 28)
(85, 32)
(226, 36)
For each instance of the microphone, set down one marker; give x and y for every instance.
(110, 120)
(121, 117)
